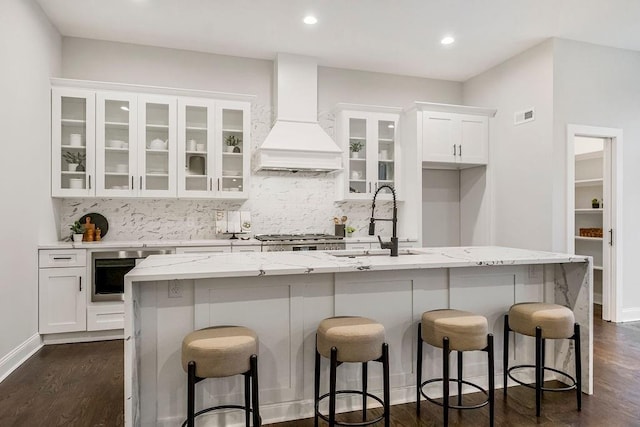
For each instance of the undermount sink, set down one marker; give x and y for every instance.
(376, 252)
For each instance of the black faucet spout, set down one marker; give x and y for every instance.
(393, 244)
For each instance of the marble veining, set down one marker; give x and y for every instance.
(280, 202)
(191, 266)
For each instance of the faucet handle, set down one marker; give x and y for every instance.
(384, 245)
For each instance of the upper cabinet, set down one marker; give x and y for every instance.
(368, 138)
(213, 142)
(73, 142)
(108, 143)
(452, 136)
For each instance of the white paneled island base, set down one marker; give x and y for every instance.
(283, 297)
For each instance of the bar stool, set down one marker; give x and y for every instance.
(543, 321)
(455, 330)
(351, 340)
(217, 352)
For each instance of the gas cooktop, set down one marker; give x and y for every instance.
(296, 237)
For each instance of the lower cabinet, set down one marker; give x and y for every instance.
(62, 298)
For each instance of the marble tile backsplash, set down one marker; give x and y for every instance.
(280, 202)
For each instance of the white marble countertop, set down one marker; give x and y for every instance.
(199, 266)
(109, 244)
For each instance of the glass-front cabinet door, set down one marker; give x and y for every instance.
(371, 152)
(359, 182)
(196, 148)
(72, 142)
(232, 139)
(116, 144)
(157, 145)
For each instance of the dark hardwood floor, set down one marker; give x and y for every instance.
(82, 385)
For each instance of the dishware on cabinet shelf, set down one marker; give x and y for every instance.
(75, 140)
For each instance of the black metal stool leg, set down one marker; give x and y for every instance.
(316, 387)
(247, 397)
(505, 354)
(253, 362)
(543, 358)
(364, 391)
(419, 370)
(459, 378)
(387, 392)
(445, 380)
(539, 371)
(492, 386)
(191, 391)
(578, 361)
(332, 386)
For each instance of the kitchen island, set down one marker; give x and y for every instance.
(284, 295)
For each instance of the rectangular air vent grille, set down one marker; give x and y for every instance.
(524, 116)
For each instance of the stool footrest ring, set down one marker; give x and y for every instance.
(353, 424)
(455, 380)
(571, 386)
(215, 408)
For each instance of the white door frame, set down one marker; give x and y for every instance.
(612, 288)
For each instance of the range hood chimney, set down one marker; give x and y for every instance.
(296, 141)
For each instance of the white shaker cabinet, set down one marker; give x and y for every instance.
(62, 291)
(371, 151)
(452, 136)
(72, 142)
(213, 148)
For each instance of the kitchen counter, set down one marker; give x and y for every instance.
(284, 295)
(111, 244)
(192, 266)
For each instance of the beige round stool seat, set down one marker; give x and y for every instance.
(219, 351)
(556, 321)
(466, 331)
(357, 339)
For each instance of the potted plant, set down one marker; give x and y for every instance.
(75, 161)
(77, 230)
(595, 204)
(355, 147)
(349, 230)
(233, 144)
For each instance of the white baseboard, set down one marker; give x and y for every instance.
(630, 314)
(16, 357)
(75, 337)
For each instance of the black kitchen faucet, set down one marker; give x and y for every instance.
(393, 244)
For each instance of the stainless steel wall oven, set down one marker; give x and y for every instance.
(109, 268)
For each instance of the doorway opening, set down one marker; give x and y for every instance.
(594, 175)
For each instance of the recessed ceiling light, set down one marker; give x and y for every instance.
(391, 126)
(447, 40)
(310, 20)
(124, 107)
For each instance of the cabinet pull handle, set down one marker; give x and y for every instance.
(454, 149)
(369, 186)
(218, 184)
(89, 182)
(132, 182)
(210, 184)
(141, 182)
(611, 237)
(61, 257)
(460, 150)
(80, 282)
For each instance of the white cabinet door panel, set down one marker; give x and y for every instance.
(62, 300)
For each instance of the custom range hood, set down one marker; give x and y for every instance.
(296, 142)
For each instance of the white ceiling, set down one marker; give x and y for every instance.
(399, 37)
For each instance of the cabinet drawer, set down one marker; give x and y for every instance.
(105, 317)
(62, 258)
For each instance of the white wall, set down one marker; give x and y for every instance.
(520, 171)
(599, 86)
(30, 52)
(279, 202)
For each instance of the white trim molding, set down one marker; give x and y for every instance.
(16, 357)
(630, 315)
